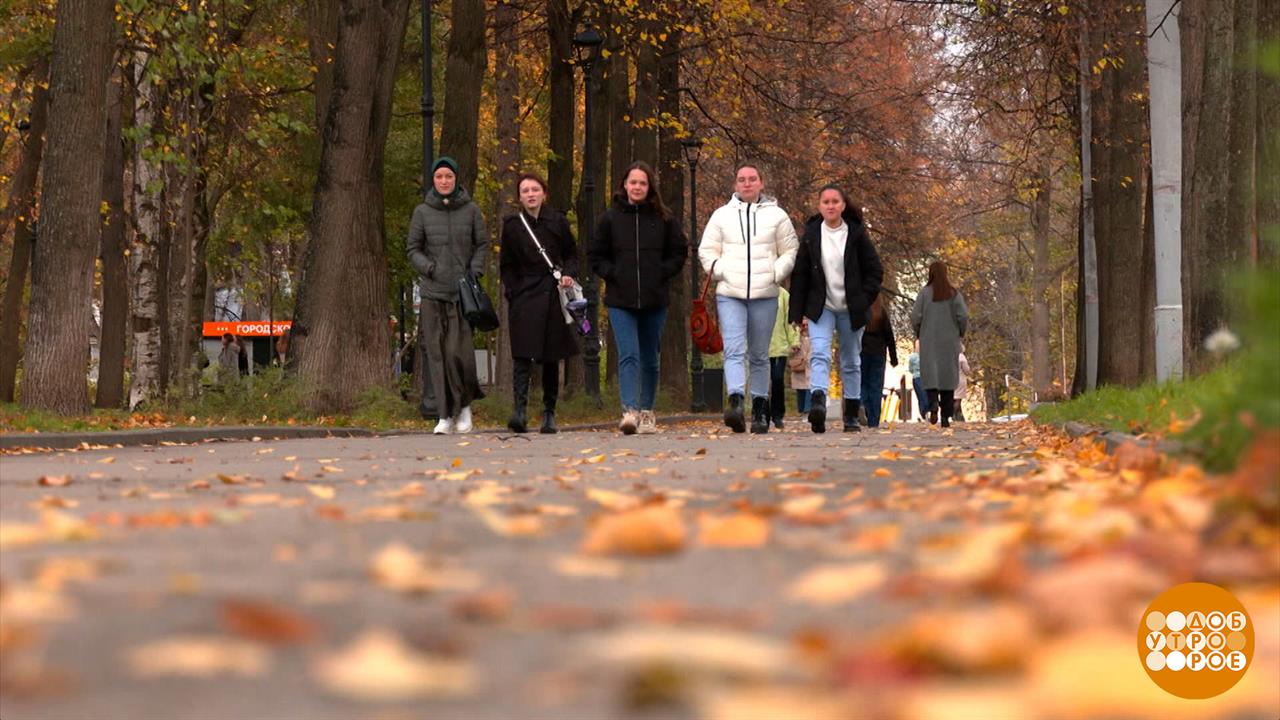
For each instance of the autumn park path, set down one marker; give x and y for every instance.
(900, 573)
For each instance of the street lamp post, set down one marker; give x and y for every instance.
(586, 46)
(428, 407)
(692, 148)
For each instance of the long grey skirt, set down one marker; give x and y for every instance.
(451, 357)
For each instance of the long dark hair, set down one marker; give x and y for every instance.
(849, 206)
(942, 288)
(654, 196)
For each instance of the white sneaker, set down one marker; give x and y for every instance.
(444, 427)
(630, 420)
(462, 423)
(648, 423)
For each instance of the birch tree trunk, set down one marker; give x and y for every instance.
(1164, 63)
(57, 348)
(145, 383)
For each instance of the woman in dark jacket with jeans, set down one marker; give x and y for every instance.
(536, 323)
(447, 238)
(836, 278)
(638, 247)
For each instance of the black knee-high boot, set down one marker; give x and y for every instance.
(550, 393)
(520, 391)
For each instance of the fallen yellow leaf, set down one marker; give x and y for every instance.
(835, 584)
(741, 530)
(379, 666)
(649, 530)
(323, 492)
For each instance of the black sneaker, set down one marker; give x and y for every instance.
(733, 416)
(777, 423)
(818, 412)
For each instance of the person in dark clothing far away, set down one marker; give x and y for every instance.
(940, 319)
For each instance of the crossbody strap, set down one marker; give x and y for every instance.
(707, 283)
(550, 265)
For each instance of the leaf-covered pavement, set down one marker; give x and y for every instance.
(988, 571)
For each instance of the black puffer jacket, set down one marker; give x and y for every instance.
(637, 253)
(863, 272)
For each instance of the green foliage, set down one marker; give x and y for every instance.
(1217, 414)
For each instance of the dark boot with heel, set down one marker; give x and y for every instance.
(850, 415)
(733, 415)
(550, 395)
(759, 415)
(818, 411)
(518, 423)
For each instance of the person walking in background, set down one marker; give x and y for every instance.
(963, 386)
(537, 244)
(798, 362)
(447, 238)
(748, 248)
(877, 338)
(637, 248)
(940, 319)
(837, 277)
(784, 337)
(913, 366)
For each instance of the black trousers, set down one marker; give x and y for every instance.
(777, 388)
(947, 404)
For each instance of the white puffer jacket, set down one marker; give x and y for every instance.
(753, 247)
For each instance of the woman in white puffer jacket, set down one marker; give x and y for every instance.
(748, 248)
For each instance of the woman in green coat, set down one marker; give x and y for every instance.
(447, 238)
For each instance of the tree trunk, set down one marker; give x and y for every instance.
(644, 116)
(1119, 162)
(506, 50)
(146, 296)
(322, 29)
(1088, 246)
(179, 280)
(1268, 132)
(115, 278)
(22, 208)
(561, 112)
(57, 350)
(674, 358)
(1214, 242)
(1041, 365)
(340, 333)
(464, 75)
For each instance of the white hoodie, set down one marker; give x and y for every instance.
(753, 247)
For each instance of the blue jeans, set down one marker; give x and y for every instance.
(747, 327)
(802, 401)
(638, 335)
(873, 386)
(922, 398)
(821, 333)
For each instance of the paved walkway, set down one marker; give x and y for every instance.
(583, 575)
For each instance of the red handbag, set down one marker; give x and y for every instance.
(702, 327)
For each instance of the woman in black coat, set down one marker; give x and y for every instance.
(836, 278)
(536, 323)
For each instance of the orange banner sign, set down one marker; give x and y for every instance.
(251, 328)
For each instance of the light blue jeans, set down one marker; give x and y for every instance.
(747, 327)
(638, 336)
(820, 335)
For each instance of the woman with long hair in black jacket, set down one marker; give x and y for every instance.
(836, 278)
(637, 248)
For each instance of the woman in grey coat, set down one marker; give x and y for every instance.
(940, 319)
(446, 239)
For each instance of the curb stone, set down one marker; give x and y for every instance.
(1114, 438)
